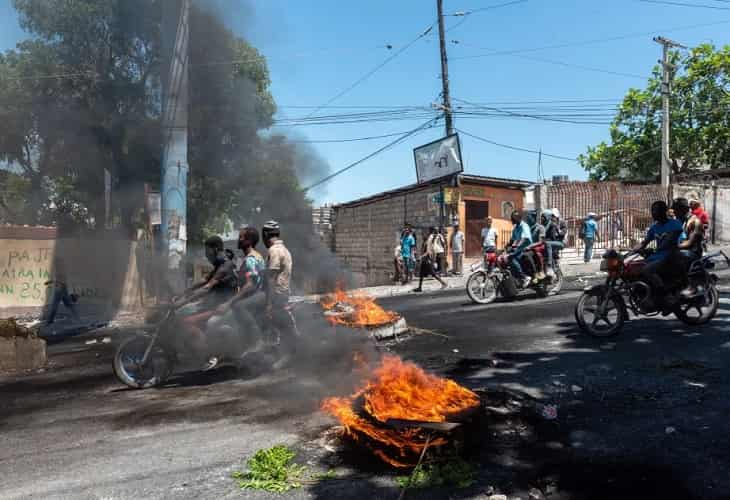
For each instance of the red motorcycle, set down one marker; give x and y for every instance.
(493, 277)
(603, 309)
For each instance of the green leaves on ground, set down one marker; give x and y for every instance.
(455, 473)
(271, 470)
(274, 470)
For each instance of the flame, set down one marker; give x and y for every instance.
(399, 390)
(366, 311)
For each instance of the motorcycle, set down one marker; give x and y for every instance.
(493, 277)
(602, 310)
(149, 358)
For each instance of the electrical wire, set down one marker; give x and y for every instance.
(356, 139)
(375, 69)
(481, 9)
(683, 4)
(589, 42)
(400, 139)
(515, 148)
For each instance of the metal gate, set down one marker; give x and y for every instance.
(623, 211)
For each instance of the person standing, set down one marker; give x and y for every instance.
(278, 288)
(489, 237)
(588, 234)
(427, 259)
(398, 269)
(457, 250)
(407, 244)
(704, 219)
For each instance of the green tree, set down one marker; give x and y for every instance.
(700, 122)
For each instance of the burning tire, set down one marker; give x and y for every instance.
(482, 288)
(129, 369)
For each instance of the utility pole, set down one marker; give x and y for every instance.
(175, 38)
(444, 70)
(666, 92)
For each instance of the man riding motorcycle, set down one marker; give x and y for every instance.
(521, 239)
(692, 238)
(555, 231)
(203, 298)
(666, 232)
(249, 302)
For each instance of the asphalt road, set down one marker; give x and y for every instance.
(639, 416)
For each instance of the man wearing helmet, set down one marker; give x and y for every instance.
(278, 283)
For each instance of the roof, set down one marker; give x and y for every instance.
(15, 232)
(472, 179)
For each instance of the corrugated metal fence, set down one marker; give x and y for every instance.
(622, 210)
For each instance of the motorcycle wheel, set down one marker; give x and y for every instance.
(127, 366)
(589, 322)
(482, 288)
(693, 313)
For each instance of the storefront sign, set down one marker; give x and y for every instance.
(451, 196)
(474, 192)
(438, 159)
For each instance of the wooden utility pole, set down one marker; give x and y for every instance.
(666, 167)
(444, 70)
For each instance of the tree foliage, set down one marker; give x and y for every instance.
(699, 119)
(83, 95)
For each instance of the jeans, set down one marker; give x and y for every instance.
(514, 262)
(249, 313)
(550, 247)
(588, 255)
(60, 294)
(283, 320)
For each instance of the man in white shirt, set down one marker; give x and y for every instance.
(489, 237)
(457, 250)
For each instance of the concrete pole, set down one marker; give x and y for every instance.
(666, 93)
(175, 37)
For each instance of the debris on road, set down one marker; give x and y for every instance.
(670, 430)
(548, 412)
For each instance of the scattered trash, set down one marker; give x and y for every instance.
(89, 342)
(670, 430)
(456, 350)
(535, 494)
(106, 340)
(558, 383)
(497, 497)
(549, 412)
(576, 388)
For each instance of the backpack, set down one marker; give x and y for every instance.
(562, 230)
(582, 231)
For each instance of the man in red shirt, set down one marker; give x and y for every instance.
(703, 217)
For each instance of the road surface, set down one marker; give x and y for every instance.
(642, 415)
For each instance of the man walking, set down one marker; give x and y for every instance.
(588, 235)
(407, 244)
(457, 250)
(439, 248)
(427, 258)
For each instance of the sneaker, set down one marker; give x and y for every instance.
(417, 290)
(540, 276)
(526, 281)
(444, 286)
(211, 363)
(549, 272)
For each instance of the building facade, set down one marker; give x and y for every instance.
(366, 231)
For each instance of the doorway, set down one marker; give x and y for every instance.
(475, 213)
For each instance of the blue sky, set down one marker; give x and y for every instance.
(318, 48)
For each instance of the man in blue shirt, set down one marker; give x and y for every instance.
(407, 242)
(588, 233)
(666, 233)
(521, 239)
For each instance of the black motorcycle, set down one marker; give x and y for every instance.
(602, 310)
(151, 357)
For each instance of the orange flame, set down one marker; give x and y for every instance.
(400, 390)
(366, 311)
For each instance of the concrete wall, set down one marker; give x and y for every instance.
(715, 200)
(365, 235)
(101, 272)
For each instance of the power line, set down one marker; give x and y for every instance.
(466, 14)
(403, 137)
(515, 148)
(682, 4)
(356, 139)
(590, 42)
(560, 63)
(375, 69)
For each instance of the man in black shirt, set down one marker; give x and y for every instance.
(203, 298)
